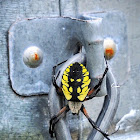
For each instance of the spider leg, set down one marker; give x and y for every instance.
(98, 86)
(54, 78)
(93, 123)
(93, 92)
(56, 118)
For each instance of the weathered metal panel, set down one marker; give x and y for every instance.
(69, 8)
(21, 118)
(22, 126)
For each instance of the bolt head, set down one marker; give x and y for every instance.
(32, 57)
(109, 48)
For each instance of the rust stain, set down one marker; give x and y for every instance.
(109, 51)
(36, 56)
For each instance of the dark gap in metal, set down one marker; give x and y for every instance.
(60, 12)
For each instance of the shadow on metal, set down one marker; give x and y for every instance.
(106, 115)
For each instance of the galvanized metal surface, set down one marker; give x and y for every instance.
(21, 118)
(114, 27)
(17, 115)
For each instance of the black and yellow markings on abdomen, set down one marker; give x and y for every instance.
(85, 83)
(65, 84)
(79, 90)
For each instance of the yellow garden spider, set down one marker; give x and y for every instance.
(75, 87)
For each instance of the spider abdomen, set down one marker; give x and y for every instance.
(75, 82)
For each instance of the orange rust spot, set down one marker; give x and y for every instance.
(109, 51)
(36, 56)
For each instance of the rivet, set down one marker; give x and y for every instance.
(33, 57)
(109, 48)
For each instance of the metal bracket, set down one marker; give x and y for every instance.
(36, 45)
(55, 39)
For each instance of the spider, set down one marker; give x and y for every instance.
(75, 87)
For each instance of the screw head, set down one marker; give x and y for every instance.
(32, 57)
(109, 48)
